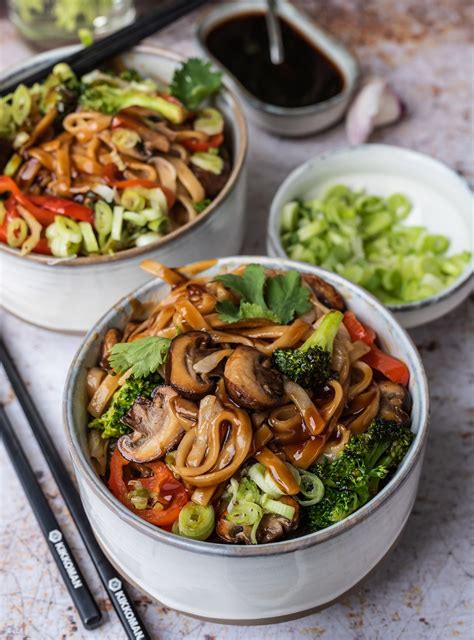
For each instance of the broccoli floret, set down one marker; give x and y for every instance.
(335, 506)
(109, 422)
(108, 99)
(355, 476)
(310, 364)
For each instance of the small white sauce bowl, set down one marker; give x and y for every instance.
(287, 122)
(70, 296)
(249, 584)
(441, 200)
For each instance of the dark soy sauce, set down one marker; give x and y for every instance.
(306, 76)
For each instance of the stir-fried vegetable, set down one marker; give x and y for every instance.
(391, 367)
(310, 364)
(158, 498)
(108, 99)
(110, 422)
(363, 238)
(355, 476)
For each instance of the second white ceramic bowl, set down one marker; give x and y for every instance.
(71, 296)
(249, 584)
(442, 202)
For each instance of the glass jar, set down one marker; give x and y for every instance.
(51, 22)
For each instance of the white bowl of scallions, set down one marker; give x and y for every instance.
(394, 221)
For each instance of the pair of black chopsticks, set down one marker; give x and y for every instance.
(74, 580)
(91, 57)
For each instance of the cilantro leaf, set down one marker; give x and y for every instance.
(286, 296)
(278, 298)
(195, 81)
(144, 355)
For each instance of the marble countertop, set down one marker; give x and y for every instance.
(425, 589)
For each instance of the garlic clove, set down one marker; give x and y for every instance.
(376, 105)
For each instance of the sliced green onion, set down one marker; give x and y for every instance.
(244, 513)
(132, 200)
(276, 506)
(13, 165)
(157, 199)
(117, 222)
(362, 237)
(88, 237)
(103, 218)
(311, 488)
(147, 238)
(139, 496)
(21, 105)
(105, 192)
(125, 138)
(151, 214)
(209, 121)
(196, 521)
(62, 71)
(64, 237)
(135, 218)
(264, 480)
(17, 230)
(208, 162)
(159, 226)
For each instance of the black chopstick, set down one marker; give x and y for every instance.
(71, 574)
(91, 57)
(112, 581)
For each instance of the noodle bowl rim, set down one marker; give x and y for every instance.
(83, 466)
(239, 128)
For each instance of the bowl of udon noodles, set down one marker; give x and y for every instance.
(142, 157)
(247, 435)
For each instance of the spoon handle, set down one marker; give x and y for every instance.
(274, 33)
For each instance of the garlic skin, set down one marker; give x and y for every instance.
(375, 105)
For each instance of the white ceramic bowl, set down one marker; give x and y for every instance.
(249, 583)
(71, 296)
(299, 121)
(442, 202)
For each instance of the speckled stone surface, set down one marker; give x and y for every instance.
(425, 589)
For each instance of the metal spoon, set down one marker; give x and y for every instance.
(274, 33)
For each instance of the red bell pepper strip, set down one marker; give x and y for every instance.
(194, 145)
(172, 495)
(357, 330)
(392, 368)
(11, 213)
(8, 185)
(64, 207)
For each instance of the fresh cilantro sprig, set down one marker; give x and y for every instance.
(143, 356)
(195, 81)
(278, 298)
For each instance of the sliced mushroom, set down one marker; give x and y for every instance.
(272, 527)
(233, 533)
(111, 338)
(395, 402)
(185, 350)
(251, 381)
(325, 292)
(156, 428)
